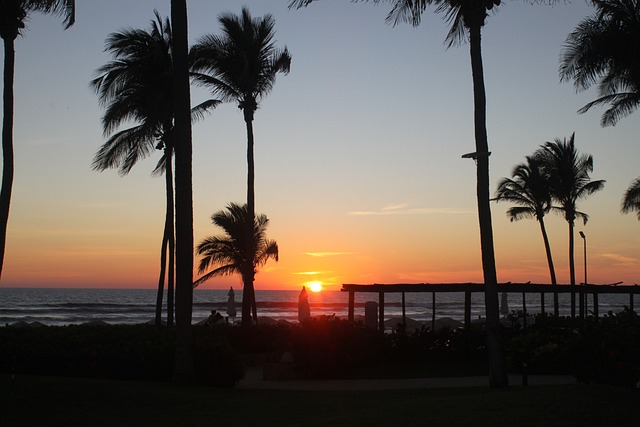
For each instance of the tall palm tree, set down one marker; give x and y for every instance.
(137, 85)
(568, 175)
(13, 15)
(467, 17)
(183, 361)
(605, 48)
(229, 254)
(529, 189)
(241, 66)
(631, 199)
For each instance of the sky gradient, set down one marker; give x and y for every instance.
(358, 153)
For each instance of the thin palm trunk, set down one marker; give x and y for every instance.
(572, 270)
(552, 270)
(163, 269)
(183, 368)
(249, 291)
(167, 246)
(171, 239)
(7, 144)
(497, 368)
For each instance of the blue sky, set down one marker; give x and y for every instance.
(358, 151)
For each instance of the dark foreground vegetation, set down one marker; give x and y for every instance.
(55, 401)
(603, 350)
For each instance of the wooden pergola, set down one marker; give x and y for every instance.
(469, 288)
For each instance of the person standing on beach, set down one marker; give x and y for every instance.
(231, 305)
(304, 312)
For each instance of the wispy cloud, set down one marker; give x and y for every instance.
(309, 273)
(406, 209)
(620, 259)
(326, 254)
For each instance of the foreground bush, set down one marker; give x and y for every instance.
(128, 352)
(607, 350)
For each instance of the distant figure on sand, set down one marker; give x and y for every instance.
(231, 306)
(214, 318)
(304, 312)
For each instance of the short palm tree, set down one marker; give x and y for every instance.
(631, 199)
(137, 85)
(568, 175)
(529, 190)
(605, 48)
(241, 66)
(231, 253)
(13, 15)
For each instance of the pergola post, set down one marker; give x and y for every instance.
(351, 305)
(381, 311)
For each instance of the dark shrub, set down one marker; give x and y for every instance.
(215, 362)
(607, 350)
(328, 347)
(544, 351)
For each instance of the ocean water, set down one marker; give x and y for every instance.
(57, 307)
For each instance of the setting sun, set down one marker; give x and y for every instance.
(315, 286)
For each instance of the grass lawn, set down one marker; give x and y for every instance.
(52, 401)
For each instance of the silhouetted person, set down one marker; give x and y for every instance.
(304, 312)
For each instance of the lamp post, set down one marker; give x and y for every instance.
(583, 295)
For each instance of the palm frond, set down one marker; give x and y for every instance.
(631, 199)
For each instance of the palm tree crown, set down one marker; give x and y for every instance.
(528, 188)
(230, 252)
(242, 64)
(14, 14)
(568, 175)
(605, 48)
(631, 200)
(136, 86)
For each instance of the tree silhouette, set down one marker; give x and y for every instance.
(568, 175)
(466, 18)
(529, 189)
(230, 253)
(137, 85)
(605, 48)
(241, 66)
(183, 362)
(13, 15)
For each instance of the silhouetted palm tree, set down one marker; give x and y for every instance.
(467, 17)
(631, 199)
(241, 66)
(230, 253)
(13, 15)
(137, 85)
(529, 189)
(183, 150)
(605, 48)
(568, 175)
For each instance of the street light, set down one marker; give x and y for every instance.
(583, 295)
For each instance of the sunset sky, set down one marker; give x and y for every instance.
(358, 153)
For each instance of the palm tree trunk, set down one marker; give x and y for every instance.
(497, 367)
(168, 243)
(572, 270)
(163, 265)
(7, 144)
(171, 236)
(552, 270)
(183, 367)
(249, 290)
